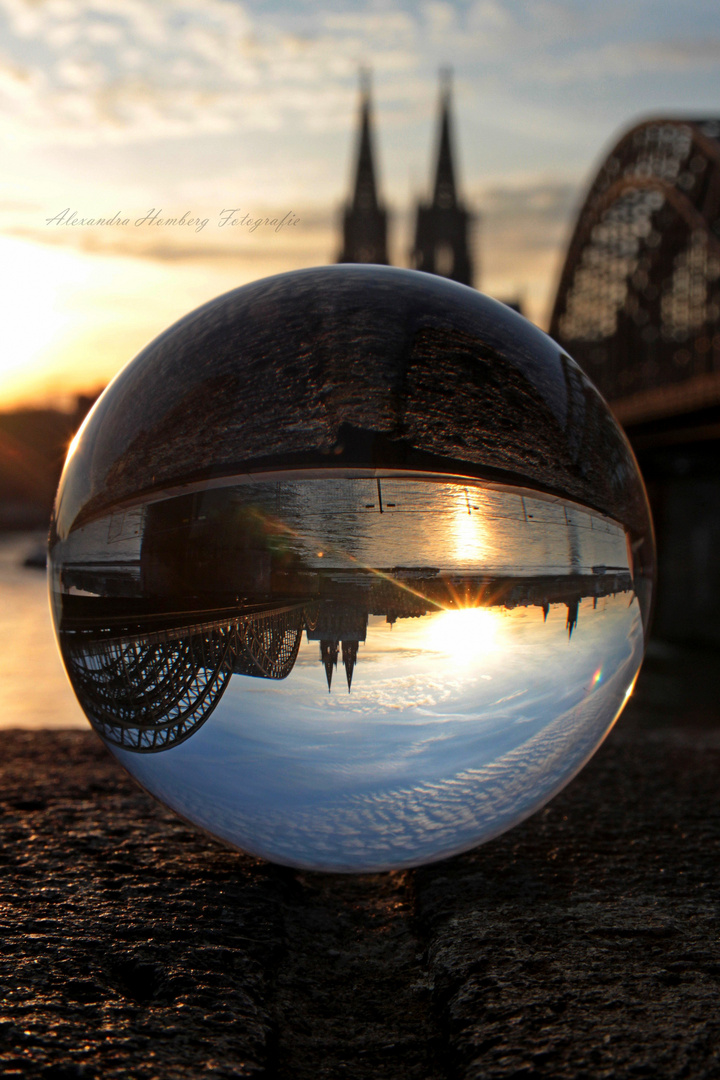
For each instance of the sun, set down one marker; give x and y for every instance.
(465, 634)
(31, 316)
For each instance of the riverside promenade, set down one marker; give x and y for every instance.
(584, 943)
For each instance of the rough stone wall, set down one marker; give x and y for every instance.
(582, 944)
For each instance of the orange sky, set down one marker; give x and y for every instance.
(73, 317)
(199, 105)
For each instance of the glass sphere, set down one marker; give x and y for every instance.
(352, 567)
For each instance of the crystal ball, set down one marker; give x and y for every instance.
(352, 568)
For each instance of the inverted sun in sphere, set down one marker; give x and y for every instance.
(352, 567)
(464, 634)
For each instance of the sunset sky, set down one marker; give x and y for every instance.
(127, 107)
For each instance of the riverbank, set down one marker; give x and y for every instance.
(583, 943)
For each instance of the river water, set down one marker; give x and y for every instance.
(34, 691)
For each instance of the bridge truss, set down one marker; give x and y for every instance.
(147, 692)
(638, 303)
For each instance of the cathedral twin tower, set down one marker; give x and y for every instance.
(442, 226)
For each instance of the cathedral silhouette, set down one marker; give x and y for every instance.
(443, 226)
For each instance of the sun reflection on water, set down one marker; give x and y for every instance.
(468, 527)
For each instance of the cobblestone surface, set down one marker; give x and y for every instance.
(582, 944)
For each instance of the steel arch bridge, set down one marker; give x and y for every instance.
(638, 302)
(147, 692)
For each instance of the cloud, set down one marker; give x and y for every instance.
(117, 71)
(190, 101)
(125, 69)
(379, 795)
(547, 200)
(632, 58)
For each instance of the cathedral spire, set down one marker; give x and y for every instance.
(329, 659)
(364, 217)
(349, 657)
(442, 231)
(444, 194)
(365, 193)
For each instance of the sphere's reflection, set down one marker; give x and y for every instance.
(329, 660)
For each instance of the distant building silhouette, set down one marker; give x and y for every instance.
(442, 241)
(33, 445)
(442, 230)
(339, 626)
(364, 216)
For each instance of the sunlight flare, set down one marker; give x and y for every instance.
(464, 634)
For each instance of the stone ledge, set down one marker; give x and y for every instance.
(583, 943)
